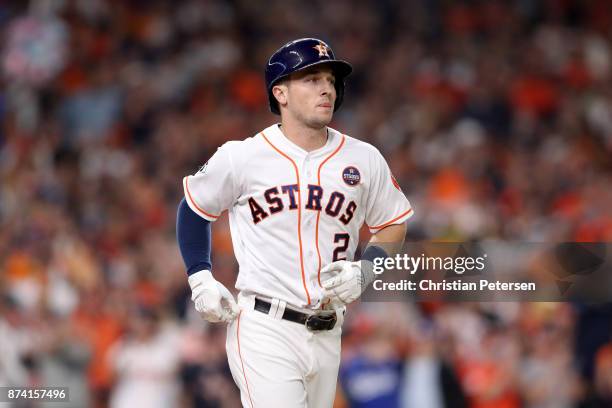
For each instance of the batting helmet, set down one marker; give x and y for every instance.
(301, 54)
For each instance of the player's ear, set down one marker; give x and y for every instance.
(280, 93)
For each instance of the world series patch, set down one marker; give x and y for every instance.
(351, 176)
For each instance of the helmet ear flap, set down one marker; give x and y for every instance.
(339, 94)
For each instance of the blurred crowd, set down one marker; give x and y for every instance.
(495, 117)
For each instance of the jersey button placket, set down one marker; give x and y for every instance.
(308, 217)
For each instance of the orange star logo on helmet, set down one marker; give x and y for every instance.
(322, 48)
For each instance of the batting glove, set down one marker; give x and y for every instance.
(346, 281)
(212, 300)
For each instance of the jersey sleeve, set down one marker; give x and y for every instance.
(386, 203)
(213, 189)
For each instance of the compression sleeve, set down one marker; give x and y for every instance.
(371, 252)
(194, 239)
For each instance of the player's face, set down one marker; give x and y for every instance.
(311, 95)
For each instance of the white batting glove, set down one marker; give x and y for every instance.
(212, 300)
(343, 281)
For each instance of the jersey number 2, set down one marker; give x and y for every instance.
(339, 251)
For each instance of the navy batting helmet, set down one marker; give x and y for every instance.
(301, 54)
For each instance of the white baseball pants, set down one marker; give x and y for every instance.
(280, 363)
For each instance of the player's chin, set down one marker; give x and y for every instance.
(319, 123)
(323, 115)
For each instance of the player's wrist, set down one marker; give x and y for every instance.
(200, 279)
(371, 253)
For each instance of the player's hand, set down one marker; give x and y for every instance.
(212, 300)
(342, 281)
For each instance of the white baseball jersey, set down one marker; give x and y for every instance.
(291, 212)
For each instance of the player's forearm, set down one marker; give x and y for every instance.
(386, 242)
(194, 239)
(390, 238)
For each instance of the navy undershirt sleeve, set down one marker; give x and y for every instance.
(194, 239)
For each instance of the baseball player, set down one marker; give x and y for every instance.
(297, 194)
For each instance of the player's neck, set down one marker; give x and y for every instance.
(305, 137)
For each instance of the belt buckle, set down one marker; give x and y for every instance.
(321, 321)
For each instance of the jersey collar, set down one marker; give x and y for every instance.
(276, 136)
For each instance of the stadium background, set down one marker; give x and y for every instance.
(495, 117)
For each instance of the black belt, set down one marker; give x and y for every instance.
(313, 322)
